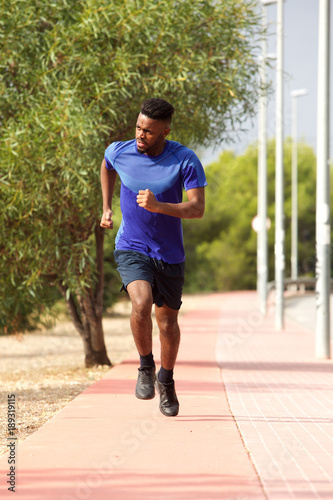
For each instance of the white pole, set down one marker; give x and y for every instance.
(262, 267)
(294, 174)
(294, 197)
(323, 224)
(279, 178)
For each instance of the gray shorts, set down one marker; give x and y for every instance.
(166, 280)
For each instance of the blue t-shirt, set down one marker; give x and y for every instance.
(156, 235)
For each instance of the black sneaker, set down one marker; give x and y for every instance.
(145, 388)
(169, 404)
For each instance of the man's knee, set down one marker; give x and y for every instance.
(141, 297)
(167, 321)
(141, 306)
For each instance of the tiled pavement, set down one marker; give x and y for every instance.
(255, 421)
(281, 398)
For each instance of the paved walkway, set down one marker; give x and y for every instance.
(302, 309)
(254, 422)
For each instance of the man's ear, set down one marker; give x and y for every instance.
(166, 132)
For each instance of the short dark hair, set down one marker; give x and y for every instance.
(157, 109)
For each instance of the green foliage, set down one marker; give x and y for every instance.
(72, 78)
(221, 248)
(104, 58)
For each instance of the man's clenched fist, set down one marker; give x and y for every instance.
(106, 221)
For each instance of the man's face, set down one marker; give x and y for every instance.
(150, 135)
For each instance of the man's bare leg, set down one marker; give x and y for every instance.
(167, 320)
(141, 296)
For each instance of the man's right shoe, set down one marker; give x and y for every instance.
(145, 387)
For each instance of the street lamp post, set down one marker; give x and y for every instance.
(262, 251)
(279, 178)
(323, 224)
(294, 196)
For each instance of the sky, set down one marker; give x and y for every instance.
(301, 18)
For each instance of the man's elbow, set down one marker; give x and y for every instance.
(199, 211)
(200, 214)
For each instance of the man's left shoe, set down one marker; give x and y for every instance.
(169, 404)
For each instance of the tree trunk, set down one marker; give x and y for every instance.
(87, 311)
(95, 349)
(89, 325)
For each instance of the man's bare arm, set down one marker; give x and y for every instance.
(192, 209)
(108, 182)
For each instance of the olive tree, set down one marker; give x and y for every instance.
(72, 78)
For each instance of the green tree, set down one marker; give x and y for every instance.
(221, 248)
(72, 78)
